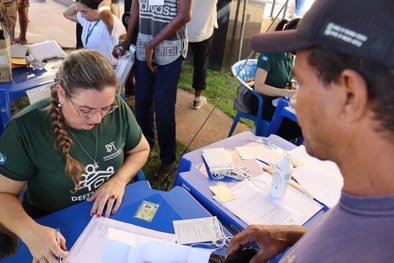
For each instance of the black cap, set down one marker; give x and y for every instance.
(361, 28)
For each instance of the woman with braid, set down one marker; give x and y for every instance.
(83, 143)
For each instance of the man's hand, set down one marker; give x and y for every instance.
(272, 240)
(150, 52)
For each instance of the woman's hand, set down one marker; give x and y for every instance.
(110, 194)
(45, 244)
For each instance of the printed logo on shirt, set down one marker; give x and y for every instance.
(93, 179)
(3, 158)
(164, 13)
(110, 147)
(265, 58)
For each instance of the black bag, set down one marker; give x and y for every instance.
(245, 101)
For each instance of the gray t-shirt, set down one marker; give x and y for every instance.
(358, 229)
(153, 18)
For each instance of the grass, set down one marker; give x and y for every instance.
(219, 86)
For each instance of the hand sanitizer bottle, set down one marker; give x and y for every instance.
(281, 177)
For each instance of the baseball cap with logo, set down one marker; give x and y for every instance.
(361, 28)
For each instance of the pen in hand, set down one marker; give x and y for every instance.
(58, 242)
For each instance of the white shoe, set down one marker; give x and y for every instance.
(199, 104)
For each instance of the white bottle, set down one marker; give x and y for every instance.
(281, 177)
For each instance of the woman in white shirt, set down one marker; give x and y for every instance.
(101, 29)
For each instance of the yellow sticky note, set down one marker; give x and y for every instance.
(222, 192)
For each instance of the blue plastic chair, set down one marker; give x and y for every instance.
(283, 110)
(245, 70)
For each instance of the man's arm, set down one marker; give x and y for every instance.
(271, 240)
(134, 16)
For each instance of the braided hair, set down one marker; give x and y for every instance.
(82, 69)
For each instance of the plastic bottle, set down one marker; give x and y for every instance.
(281, 177)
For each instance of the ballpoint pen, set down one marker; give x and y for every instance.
(59, 259)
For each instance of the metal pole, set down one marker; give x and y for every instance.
(241, 37)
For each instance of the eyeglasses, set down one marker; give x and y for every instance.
(89, 113)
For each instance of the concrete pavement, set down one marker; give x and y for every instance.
(47, 23)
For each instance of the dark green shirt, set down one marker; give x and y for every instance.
(279, 68)
(27, 153)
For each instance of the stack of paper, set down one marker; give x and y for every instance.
(46, 50)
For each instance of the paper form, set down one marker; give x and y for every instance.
(198, 230)
(322, 179)
(90, 245)
(253, 205)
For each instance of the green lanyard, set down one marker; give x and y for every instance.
(90, 32)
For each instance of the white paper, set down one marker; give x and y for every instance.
(198, 230)
(123, 67)
(90, 245)
(261, 153)
(18, 51)
(253, 204)
(218, 159)
(160, 252)
(322, 179)
(126, 247)
(39, 93)
(46, 50)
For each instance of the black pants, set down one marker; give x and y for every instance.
(201, 51)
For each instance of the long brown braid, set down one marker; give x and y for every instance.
(82, 69)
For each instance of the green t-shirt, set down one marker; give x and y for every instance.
(28, 153)
(279, 68)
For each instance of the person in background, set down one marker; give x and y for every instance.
(345, 106)
(100, 28)
(161, 48)
(79, 29)
(273, 80)
(23, 18)
(200, 33)
(82, 143)
(8, 11)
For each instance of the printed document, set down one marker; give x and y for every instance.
(91, 243)
(108, 240)
(253, 204)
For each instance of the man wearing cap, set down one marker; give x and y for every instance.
(345, 107)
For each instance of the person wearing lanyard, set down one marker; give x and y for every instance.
(101, 29)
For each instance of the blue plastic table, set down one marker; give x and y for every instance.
(24, 79)
(174, 205)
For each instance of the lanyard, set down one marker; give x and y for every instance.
(90, 32)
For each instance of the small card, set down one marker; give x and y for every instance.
(156, 2)
(191, 231)
(147, 211)
(222, 192)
